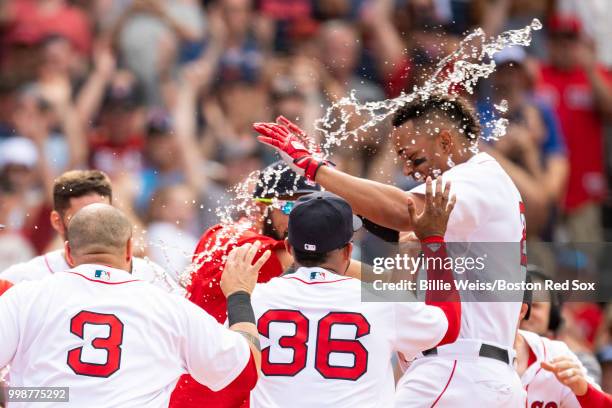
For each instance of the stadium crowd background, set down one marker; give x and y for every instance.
(161, 95)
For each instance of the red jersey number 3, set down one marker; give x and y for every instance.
(112, 344)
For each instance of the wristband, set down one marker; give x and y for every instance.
(433, 239)
(239, 309)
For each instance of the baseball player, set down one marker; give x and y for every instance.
(543, 389)
(323, 346)
(439, 136)
(275, 182)
(116, 340)
(72, 191)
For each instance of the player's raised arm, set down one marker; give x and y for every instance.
(237, 283)
(380, 203)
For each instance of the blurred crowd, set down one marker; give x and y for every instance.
(161, 95)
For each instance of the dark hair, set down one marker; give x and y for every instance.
(309, 259)
(453, 107)
(78, 183)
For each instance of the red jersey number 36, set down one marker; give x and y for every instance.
(325, 344)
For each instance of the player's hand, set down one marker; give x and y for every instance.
(434, 218)
(240, 273)
(293, 145)
(569, 372)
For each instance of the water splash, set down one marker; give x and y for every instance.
(471, 62)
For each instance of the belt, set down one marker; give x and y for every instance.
(486, 350)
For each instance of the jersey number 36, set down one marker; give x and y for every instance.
(112, 344)
(325, 345)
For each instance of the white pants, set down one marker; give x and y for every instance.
(464, 382)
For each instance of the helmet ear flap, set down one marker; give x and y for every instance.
(528, 296)
(555, 320)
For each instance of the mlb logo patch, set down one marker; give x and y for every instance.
(310, 247)
(102, 274)
(317, 275)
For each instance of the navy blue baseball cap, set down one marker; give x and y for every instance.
(321, 222)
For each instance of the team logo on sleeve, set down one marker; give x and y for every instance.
(102, 274)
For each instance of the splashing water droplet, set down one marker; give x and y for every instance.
(502, 107)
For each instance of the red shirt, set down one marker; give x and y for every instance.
(205, 292)
(31, 22)
(571, 95)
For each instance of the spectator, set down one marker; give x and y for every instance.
(33, 20)
(14, 247)
(532, 151)
(171, 235)
(581, 92)
(150, 34)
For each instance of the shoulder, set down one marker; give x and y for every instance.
(25, 291)
(35, 268)
(557, 348)
(146, 265)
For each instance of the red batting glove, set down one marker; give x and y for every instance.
(289, 140)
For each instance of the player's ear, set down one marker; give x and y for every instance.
(348, 250)
(56, 222)
(129, 250)
(445, 140)
(288, 247)
(524, 310)
(68, 253)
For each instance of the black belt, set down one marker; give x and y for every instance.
(486, 350)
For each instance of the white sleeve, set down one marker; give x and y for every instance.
(14, 274)
(213, 354)
(9, 324)
(418, 327)
(470, 195)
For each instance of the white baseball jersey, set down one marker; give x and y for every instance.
(52, 262)
(322, 346)
(488, 210)
(543, 388)
(116, 341)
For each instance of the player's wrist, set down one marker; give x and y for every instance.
(432, 239)
(239, 308)
(580, 388)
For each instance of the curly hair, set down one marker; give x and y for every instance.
(454, 108)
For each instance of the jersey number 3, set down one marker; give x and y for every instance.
(325, 345)
(112, 344)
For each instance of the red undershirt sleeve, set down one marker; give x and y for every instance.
(434, 249)
(595, 399)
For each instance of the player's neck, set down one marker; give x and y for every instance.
(461, 154)
(522, 354)
(111, 261)
(338, 270)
